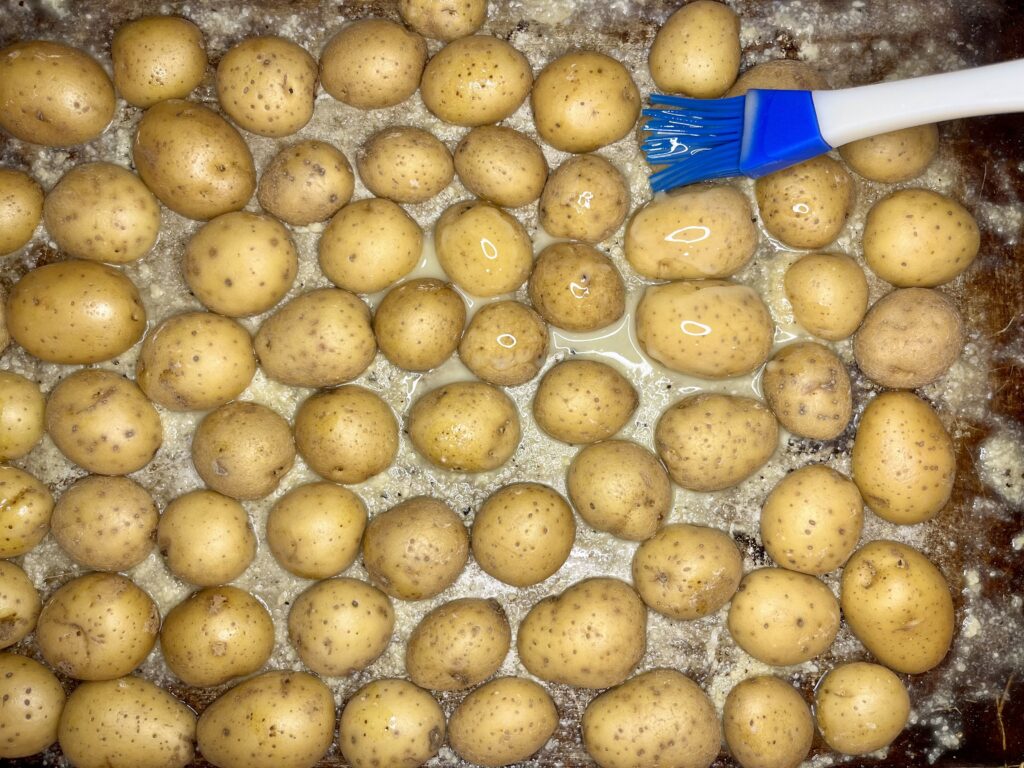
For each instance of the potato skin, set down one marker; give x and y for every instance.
(501, 165)
(25, 518)
(808, 389)
(306, 182)
(34, 700)
(860, 707)
(404, 164)
(767, 724)
(505, 343)
(22, 422)
(373, 63)
(157, 58)
(444, 19)
(21, 207)
(576, 287)
(419, 323)
(583, 401)
(780, 74)
(19, 606)
(697, 51)
(500, 266)
(314, 531)
(390, 722)
(586, 198)
(206, 538)
(828, 293)
(895, 156)
(806, 206)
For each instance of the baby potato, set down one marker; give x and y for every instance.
(806, 206)
(484, 250)
(714, 329)
(19, 610)
(636, 725)
(157, 58)
(909, 338)
(318, 339)
(243, 450)
(33, 701)
(390, 722)
(501, 165)
(53, 94)
(21, 207)
(105, 523)
(828, 293)
(314, 531)
(347, 434)
(5, 336)
(860, 707)
(404, 164)
(895, 156)
(75, 312)
(592, 635)
(206, 538)
(502, 722)
(903, 459)
(586, 198)
(697, 51)
(467, 426)
(305, 183)
(193, 160)
(458, 645)
(97, 627)
(767, 724)
(340, 626)
(506, 343)
(25, 507)
(583, 101)
(583, 401)
(419, 323)
(240, 264)
(687, 571)
(444, 19)
(373, 63)
(216, 634)
(919, 238)
(782, 618)
(21, 415)
(416, 549)
(576, 287)
(620, 487)
(780, 74)
(812, 519)
(102, 422)
(808, 389)
(692, 234)
(101, 212)
(523, 533)
(278, 719)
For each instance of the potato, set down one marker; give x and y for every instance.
(243, 450)
(584, 100)
(101, 212)
(898, 605)
(102, 422)
(278, 719)
(895, 156)
(620, 487)
(240, 264)
(306, 182)
(370, 245)
(780, 74)
(467, 426)
(502, 722)
(19, 610)
(476, 80)
(318, 339)
(687, 571)
(390, 722)
(501, 165)
(636, 725)
(919, 238)
(24, 511)
(806, 205)
(53, 94)
(812, 519)
(586, 198)
(860, 707)
(373, 63)
(523, 533)
(583, 401)
(828, 293)
(910, 337)
(444, 19)
(33, 701)
(419, 323)
(592, 635)
(692, 234)
(484, 250)
(5, 335)
(193, 160)
(782, 618)
(157, 58)
(710, 441)
(576, 287)
(714, 329)
(21, 207)
(903, 459)
(105, 523)
(808, 389)
(21, 415)
(767, 724)
(697, 51)
(506, 343)
(205, 538)
(340, 626)
(75, 312)
(97, 627)
(416, 549)
(314, 531)
(407, 165)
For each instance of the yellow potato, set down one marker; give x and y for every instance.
(586, 198)
(444, 19)
(806, 206)
(860, 707)
(25, 508)
(828, 293)
(895, 156)
(390, 722)
(697, 50)
(407, 165)
(373, 63)
(506, 343)
(808, 389)
(576, 287)
(780, 74)
(21, 207)
(484, 250)
(419, 323)
(767, 724)
(583, 401)
(157, 58)
(33, 701)
(19, 608)
(205, 538)
(5, 335)
(21, 415)
(305, 183)
(501, 165)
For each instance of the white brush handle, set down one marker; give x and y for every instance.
(850, 114)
